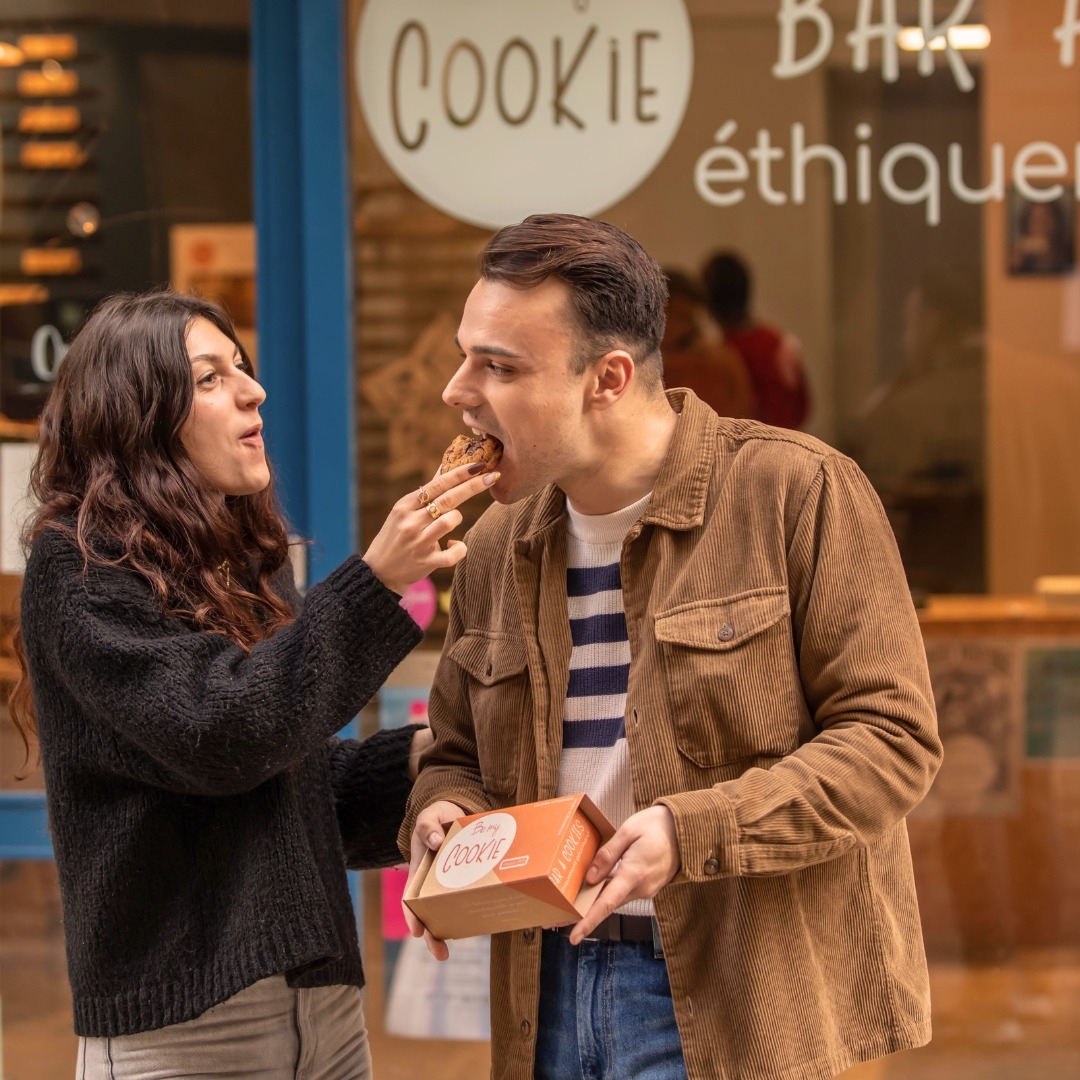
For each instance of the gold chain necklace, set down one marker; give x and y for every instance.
(224, 569)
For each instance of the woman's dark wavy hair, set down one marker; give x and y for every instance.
(112, 474)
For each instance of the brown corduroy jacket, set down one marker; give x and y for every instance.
(778, 703)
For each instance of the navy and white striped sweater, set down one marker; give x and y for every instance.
(595, 757)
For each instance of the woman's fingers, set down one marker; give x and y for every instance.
(409, 545)
(441, 507)
(441, 497)
(444, 524)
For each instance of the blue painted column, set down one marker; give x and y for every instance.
(24, 830)
(303, 228)
(305, 290)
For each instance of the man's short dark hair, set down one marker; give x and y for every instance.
(617, 290)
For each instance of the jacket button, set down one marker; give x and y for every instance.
(727, 632)
(529, 934)
(526, 1027)
(490, 668)
(711, 867)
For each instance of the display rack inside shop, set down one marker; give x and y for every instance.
(50, 207)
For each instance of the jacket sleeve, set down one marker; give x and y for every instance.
(863, 670)
(370, 780)
(199, 714)
(450, 768)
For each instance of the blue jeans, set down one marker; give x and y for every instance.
(605, 1013)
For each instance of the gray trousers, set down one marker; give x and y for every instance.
(266, 1032)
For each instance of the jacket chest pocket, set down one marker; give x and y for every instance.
(494, 668)
(730, 669)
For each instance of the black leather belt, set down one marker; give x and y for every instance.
(618, 928)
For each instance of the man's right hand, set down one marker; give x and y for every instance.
(428, 835)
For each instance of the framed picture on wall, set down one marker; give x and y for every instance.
(1041, 235)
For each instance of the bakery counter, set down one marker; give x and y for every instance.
(994, 842)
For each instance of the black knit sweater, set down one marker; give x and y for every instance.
(201, 812)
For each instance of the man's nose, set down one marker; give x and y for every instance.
(458, 394)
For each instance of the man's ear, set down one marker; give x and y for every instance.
(612, 375)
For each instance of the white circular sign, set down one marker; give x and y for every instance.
(492, 110)
(475, 851)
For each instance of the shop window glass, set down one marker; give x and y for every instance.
(908, 217)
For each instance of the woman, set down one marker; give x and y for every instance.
(202, 812)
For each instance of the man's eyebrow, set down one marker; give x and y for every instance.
(490, 350)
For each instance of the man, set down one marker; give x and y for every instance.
(773, 359)
(703, 623)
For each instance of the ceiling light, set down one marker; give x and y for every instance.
(965, 36)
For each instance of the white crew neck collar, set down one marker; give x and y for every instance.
(604, 528)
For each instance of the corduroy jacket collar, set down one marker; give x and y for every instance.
(679, 494)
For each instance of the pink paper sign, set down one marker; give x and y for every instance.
(393, 918)
(421, 602)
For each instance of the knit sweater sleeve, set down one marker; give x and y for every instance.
(371, 784)
(196, 713)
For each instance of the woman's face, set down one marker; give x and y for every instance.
(223, 433)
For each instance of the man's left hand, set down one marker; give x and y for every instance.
(638, 861)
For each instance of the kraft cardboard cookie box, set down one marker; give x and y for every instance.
(510, 869)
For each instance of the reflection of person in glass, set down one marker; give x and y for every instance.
(926, 422)
(920, 436)
(773, 358)
(1043, 243)
(696, 355)
(185, 700)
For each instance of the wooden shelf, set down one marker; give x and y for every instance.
(18, 429)
(1028, 614)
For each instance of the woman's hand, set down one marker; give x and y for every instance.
(407, 547)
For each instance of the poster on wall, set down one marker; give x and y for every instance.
(217, 262)
(16, 460)
(1041, 234)
(1053, 701)
(978, 690)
